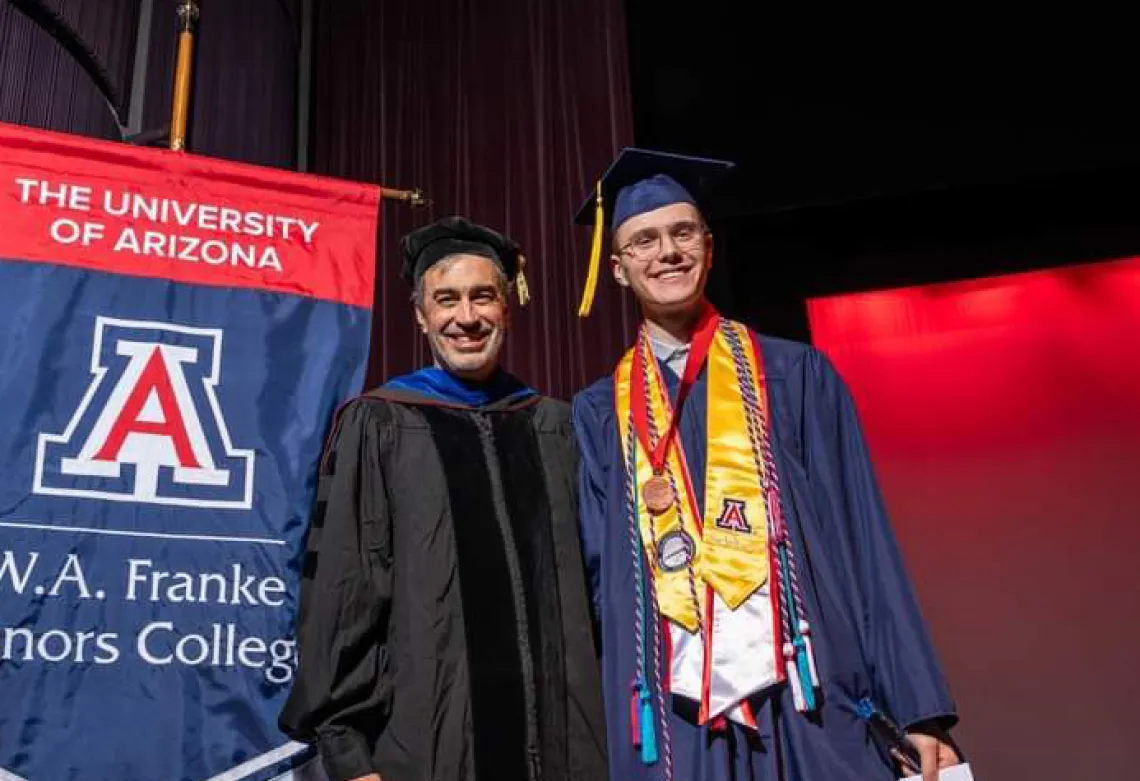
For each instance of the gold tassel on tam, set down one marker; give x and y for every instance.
(522, 289)
(595, 255)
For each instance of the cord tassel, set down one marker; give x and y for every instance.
(595, 255)
(648, 733)
(804, 670)
(805, 632)
(522, 289)
(634, 715)
(794, 678)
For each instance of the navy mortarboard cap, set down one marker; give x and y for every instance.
(426, 246)
(639, 181)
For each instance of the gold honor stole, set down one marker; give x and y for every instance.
(727, 549)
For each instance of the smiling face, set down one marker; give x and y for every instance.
(462, 308)
(664, 255)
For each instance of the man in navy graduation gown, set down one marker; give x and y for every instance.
(444, 630)
(869, 649)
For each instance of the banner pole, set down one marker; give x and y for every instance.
(188, 18)
(414, 197)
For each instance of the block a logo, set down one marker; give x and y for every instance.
(149, 428)
(732, 517)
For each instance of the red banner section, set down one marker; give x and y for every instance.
(185, 217)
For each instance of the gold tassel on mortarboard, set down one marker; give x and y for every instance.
(521, 287)
(595, 255)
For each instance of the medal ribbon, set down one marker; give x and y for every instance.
(702, 341)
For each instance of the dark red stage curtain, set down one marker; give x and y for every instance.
(501, 110)
(244, 87)
(1003, 416)
(42, 86)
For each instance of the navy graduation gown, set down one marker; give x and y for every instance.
(870, 639)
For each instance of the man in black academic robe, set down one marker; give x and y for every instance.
(444, 629)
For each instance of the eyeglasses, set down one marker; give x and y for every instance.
(647, 244)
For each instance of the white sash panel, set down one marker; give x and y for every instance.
(743, 656)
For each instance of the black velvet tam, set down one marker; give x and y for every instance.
(424, 247)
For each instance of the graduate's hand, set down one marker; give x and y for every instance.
(369, 777)
(934, 748)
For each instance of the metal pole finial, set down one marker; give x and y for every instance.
(188, 14)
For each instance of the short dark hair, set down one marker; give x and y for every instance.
(501, 280)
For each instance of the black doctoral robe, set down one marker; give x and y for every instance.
(444, 629)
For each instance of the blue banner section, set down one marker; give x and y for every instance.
(159, 443)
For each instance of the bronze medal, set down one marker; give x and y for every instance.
(658, 495)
